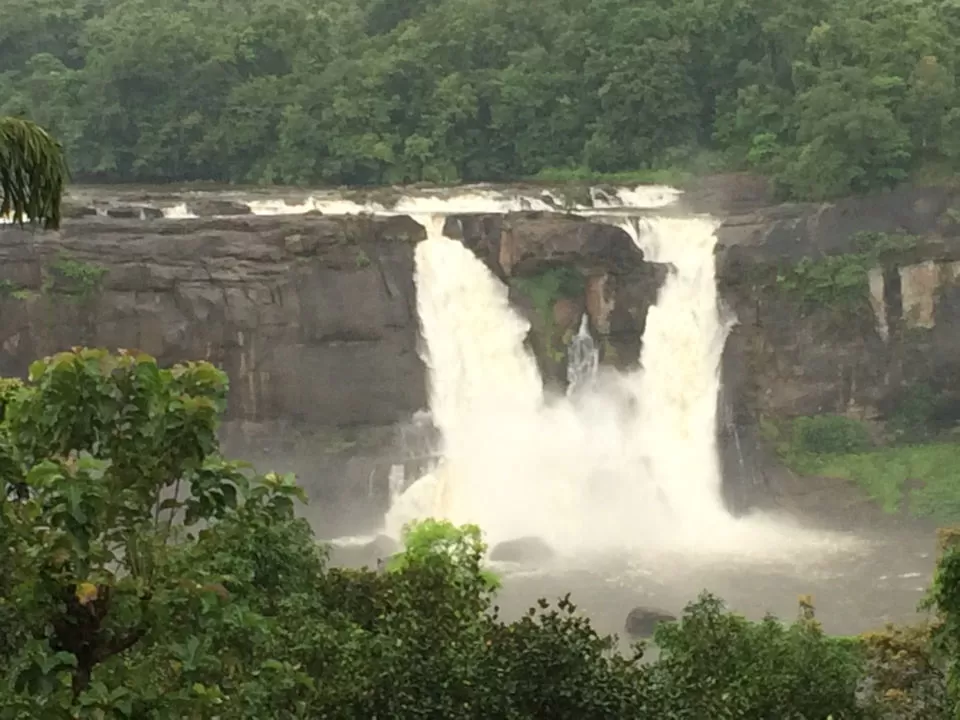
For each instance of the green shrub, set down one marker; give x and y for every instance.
(111, 609)
(915, 416)
(548, 286)
(829, 434)
(716, 664)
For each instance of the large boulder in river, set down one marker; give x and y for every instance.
(526, 550)
(643, 621)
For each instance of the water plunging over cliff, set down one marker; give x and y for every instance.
(678, 386)
(629, 460)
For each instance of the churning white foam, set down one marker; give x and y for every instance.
(628, 462)
(180, 211)
(467, 200)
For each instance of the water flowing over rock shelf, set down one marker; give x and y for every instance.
(314, 314)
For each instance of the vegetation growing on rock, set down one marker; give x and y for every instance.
(828, 98)
(899, 473)
(73, 277)
(840, 282)
(544, 290)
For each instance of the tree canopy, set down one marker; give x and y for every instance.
(827, 98)
(32, 173)
(144, 576)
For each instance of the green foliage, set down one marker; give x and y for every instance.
(828, 98)
(920, 479)
(944, 599)
(98, 455)
(920, 414)
(830, 434)
(840, 281)
(667, 176)
(904, 675)
(543, 290)
(32, 173)
(432, 541)
(834, 281)
(149, 578)
(718, 664)
(73, 277)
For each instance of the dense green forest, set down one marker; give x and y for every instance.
(827, 98)
(144, 576)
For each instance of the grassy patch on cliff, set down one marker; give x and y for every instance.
(922, 479)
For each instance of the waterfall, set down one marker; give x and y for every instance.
(483, 382)
(632, 461)
(629, 460)
(679, 385)
(583, 358)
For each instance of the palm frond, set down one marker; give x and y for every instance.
(33, 171)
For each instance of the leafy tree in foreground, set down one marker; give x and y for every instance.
(98, 456)
(143, 576)
(32, 173)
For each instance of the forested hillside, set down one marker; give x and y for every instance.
(828, 98)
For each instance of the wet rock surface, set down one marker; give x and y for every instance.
(790, 356)
(224, 208)
(312, 318)
(787, 357)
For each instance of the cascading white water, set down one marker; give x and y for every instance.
(583, 358)
(469, 199)
(482, 380)
(629, 461)
(679, 384)
(180, 211)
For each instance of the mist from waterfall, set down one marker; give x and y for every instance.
(628, 461)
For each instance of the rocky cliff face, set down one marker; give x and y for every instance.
(845, 336)
(313, 318)
(843, 308)
(562, 266)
